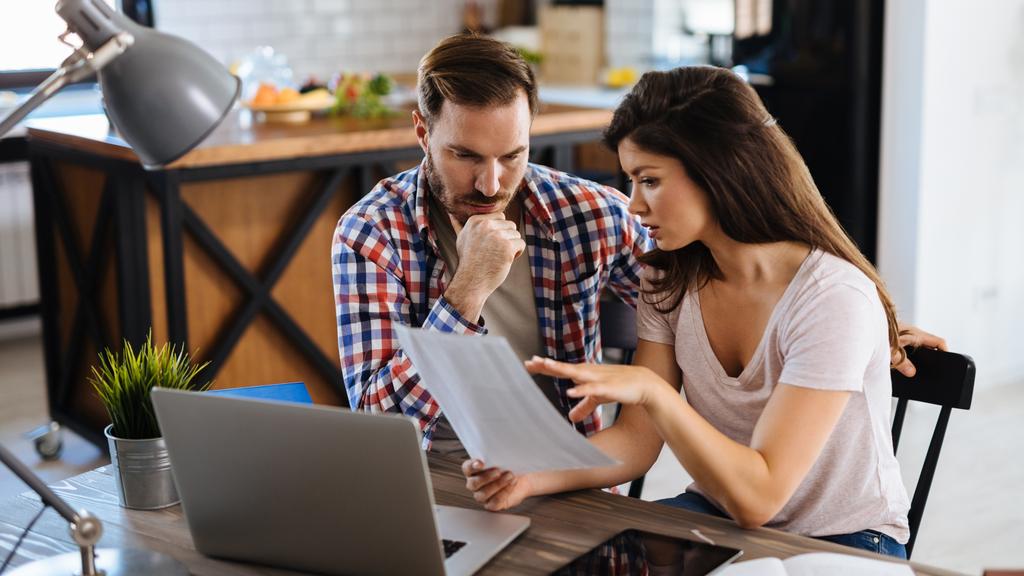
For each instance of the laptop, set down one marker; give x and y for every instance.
(317, 489)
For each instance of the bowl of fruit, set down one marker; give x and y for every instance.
(273, 104)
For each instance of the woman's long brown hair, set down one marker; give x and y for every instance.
(759, 187)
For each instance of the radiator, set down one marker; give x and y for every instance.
(19, 283)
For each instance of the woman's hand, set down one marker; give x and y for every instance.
(915, 338)
(600, 384)
(495, 488)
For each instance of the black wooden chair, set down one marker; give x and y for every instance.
(618, 332)
(946, 380)
(618, 328)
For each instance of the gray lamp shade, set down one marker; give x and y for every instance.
(164, 94)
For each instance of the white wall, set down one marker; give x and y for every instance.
(951, 228)
(323, 37)
(627, 28)
(320, 37)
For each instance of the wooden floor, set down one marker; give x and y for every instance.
(23, 407)
(974, 519)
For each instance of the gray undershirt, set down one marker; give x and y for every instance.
(510, 311)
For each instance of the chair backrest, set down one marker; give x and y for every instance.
(285, 392)
(944, 379)
(618, 327)
(618, 331)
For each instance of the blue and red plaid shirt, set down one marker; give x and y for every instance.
(387, 268)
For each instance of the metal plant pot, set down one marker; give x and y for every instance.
(142, 470)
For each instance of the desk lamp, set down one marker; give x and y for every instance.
(164, 96)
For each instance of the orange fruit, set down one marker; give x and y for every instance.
(266, 95)
(287, 95)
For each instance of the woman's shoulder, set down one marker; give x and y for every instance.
(829, 274)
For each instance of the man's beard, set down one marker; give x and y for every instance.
(441, 194)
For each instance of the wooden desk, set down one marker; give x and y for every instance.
(563, 527)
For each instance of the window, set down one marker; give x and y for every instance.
(29, 48)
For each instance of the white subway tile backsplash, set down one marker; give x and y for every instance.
(321, 37)
(292, 6)
(343, 26)
(330, 7)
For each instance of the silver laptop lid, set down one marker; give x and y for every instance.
(304, 487)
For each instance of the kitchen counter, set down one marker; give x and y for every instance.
(227, 250)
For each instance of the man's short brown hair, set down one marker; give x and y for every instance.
(472, 70)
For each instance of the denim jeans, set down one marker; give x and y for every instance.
(865, 539)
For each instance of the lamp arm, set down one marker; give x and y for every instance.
(85, 528)
(37, 485)
(78, 67)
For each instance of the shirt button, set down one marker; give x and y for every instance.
(876, 540)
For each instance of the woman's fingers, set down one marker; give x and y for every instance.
(549, 367)
(914, 337)
(917, 338)
(585, 408)
(906, 368)
(583, 390)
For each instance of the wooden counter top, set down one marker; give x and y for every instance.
(240, 139)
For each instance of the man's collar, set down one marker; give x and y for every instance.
(422, 205)
(534, 205)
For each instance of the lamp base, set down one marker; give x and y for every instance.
(111, 561)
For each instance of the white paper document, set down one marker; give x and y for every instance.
(494, 405)
(818, 563)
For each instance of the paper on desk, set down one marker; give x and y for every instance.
(818, 563)
(494, 406)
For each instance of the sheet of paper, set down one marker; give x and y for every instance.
(843, 565)
(758, 567)
(818, 563)
(494, 405)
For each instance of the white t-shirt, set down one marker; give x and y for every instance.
(828, 332)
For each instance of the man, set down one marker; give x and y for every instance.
(476, 240)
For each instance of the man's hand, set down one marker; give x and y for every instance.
(487, 246)
(915, 338)
(495, 488)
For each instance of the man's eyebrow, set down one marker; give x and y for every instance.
(464, 150)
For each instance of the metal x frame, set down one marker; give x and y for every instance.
(122, 214)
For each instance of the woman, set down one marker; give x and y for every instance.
(762, 310)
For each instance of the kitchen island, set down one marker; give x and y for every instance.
(226, 251)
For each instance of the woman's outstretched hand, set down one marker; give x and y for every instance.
(600, 384)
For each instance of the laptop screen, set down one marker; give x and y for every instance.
(638, 552)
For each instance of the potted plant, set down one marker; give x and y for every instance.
(142, 468)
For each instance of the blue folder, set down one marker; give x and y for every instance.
(286, 392)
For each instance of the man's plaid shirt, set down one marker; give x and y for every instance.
(386, 266)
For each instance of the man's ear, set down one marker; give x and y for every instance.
(422, 132)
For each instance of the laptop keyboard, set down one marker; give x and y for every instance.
(451, 547)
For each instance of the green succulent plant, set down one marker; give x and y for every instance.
(123, 382)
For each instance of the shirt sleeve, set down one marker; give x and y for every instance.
(370, 297)
(651, 324)
(829, 342)
(632, 241)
